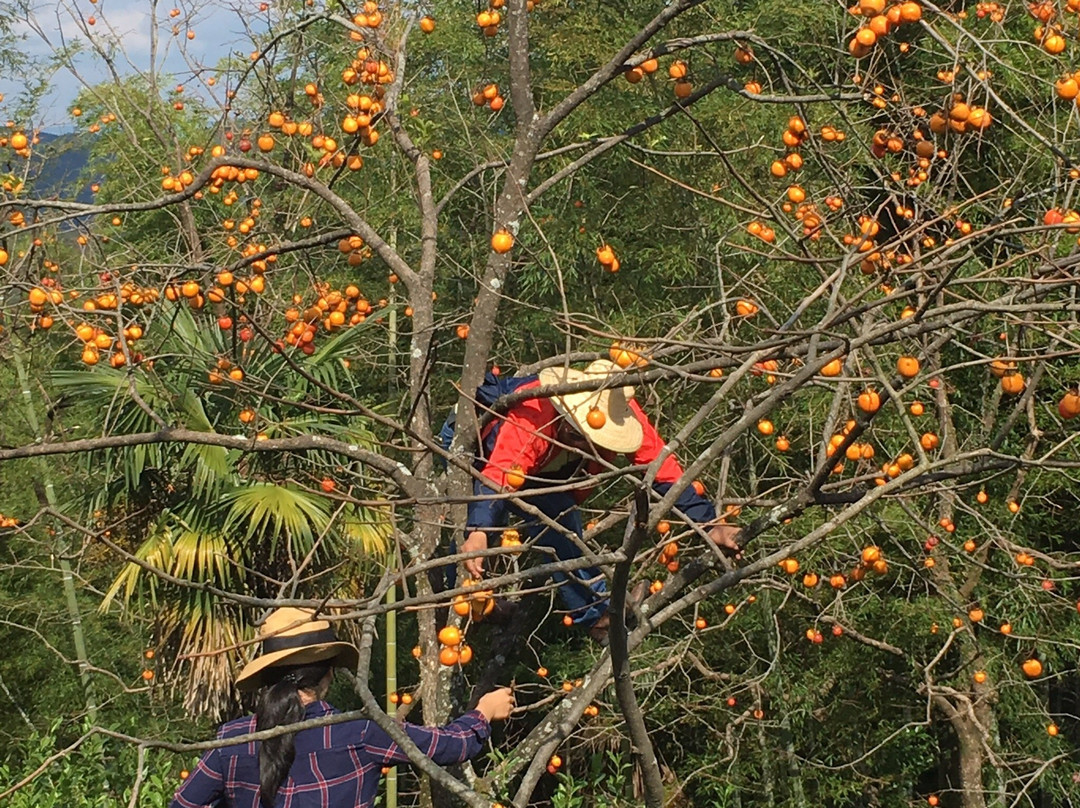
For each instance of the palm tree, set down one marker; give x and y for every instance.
(253, 523)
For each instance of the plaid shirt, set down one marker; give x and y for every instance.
(336, 766)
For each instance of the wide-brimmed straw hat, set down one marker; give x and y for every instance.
(293, 636)
(620, 430)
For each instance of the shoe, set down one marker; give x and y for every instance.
(600, 629)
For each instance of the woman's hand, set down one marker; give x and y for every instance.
(497, 704)
(477, 540)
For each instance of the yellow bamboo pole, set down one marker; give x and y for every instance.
(391, 686)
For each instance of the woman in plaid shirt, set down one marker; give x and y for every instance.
(331, 766)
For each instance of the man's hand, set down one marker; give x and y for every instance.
(497, 704)
(726, 537)
(477, 540)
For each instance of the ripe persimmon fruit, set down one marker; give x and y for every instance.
(596, 418)
(502, 241)
(907, 366)
(450, 635)
(515, 478)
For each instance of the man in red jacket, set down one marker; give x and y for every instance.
(543, 443)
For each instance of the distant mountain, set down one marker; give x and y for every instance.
(57, 166)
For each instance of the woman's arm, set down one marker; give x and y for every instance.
(696, 506)
(456, 742)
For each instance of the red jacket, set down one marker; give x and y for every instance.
(525, 440)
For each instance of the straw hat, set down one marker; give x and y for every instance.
(292, 637)
(620, 430)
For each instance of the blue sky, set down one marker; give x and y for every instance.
(125, 25)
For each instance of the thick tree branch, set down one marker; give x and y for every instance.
(620, 657)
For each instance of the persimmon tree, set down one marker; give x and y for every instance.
(833, 250)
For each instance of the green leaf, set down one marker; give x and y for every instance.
(156, 551)
(369, 528)
(211, 468)
(201, 557)
(276, 511)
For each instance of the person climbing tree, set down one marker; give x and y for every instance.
(543, 443)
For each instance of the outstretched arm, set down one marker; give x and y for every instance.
(455, 742)
(690, 502)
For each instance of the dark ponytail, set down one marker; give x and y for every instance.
(280, 704)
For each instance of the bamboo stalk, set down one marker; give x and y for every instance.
(391, 686)
(391, 593)
(60, 549)
(14, 701)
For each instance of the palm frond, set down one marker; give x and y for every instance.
(338, 347)
(369, 529)
(211, 469)
(109, 392)
(157, 552)
(207, 636)
(328, 364)
(100, 382)
(276, 511)
(186, 337)
(201, 557)
(192, 408)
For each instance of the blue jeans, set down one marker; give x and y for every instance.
(583, 592)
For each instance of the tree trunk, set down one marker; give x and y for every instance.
(969, 737)
(794, 773)
(768, 773)
(971, 763)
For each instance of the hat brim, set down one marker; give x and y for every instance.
(344, 655)
(621, 431)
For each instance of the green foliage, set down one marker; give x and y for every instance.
(604, 784)
(855, 719)
(95, 773)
